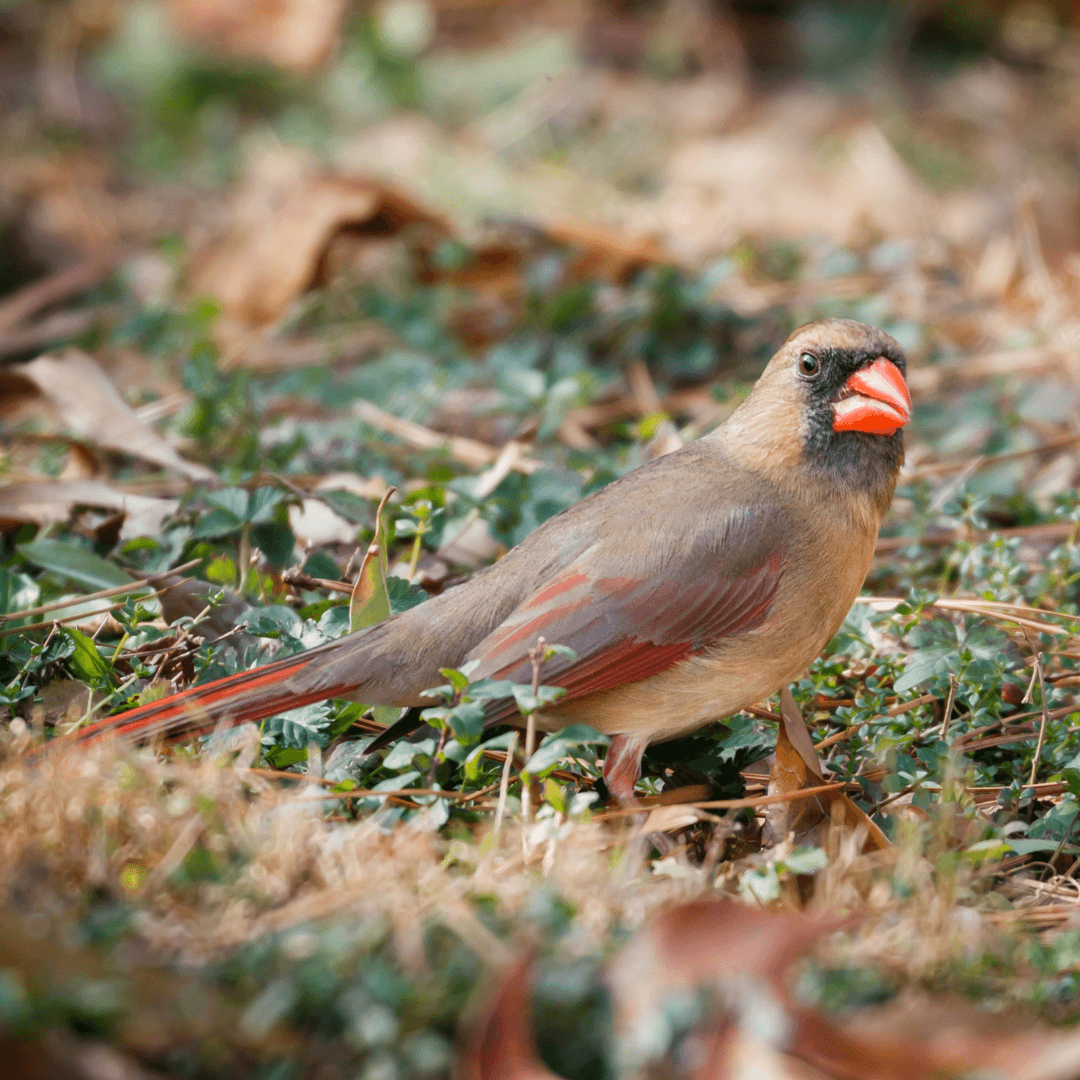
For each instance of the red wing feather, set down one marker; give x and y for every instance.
(623, 630)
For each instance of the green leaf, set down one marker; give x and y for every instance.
(346, 503)
(558, 745)
(529, 702)
(262, 505)
(334, 622)
(85, 660)
(403, 595)
(216, 523)
(554, 796)
(473, 761)
(232, 500)
(925, 664)
(491, 689)
(457, 679)
(17, 592)
(1025, 846)
(559, 650)
(1071, 776)
(275, 540)
(298, 727)
(806, 860)
(75, 563)
(466, 720)
(277, 621)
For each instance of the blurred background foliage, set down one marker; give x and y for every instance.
(287, 254)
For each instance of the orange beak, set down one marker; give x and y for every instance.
(875, 400)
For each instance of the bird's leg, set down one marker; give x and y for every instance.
(622, 767)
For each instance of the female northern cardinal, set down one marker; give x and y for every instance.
(688, 589)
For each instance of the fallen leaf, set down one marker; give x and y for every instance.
(314, 523)
(296, 35)
(672, 818)
(190, 597)
(89, 405)
(63, 701)
(281, 228)
(796, 766)
(730, 1053)
(703, 942)
(46, 501)
(500, 1044)
(848, 1057)
(921, 1035)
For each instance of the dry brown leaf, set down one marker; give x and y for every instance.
(845, 1056)
(729, 1053)
(603, 251)
(671, 818)
(190, 597)
(297, 35)
(63, 701)
(314, 523)
(89, 406)
(796, 766)
(45, 501)
(918, 1036)
(281, 229)
(500, 1045)
(704, 942)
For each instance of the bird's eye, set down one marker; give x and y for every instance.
(809, 365)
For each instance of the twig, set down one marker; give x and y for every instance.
(30, 299)
(1042, 725)
(985, 460)
(1053, 530)
(293, 576)
(989, 608)
(504, 786)
(896, 710)
(64, 324)
(893, 797)
(470, 452)
(443, 736)
(536, 655)
(948, 706)
(741, 804)
(67, 618)
(401, 793)
(1061, 847)
(119, 590)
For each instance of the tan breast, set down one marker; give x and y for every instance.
(820, 583)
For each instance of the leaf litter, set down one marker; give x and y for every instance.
(511, 334)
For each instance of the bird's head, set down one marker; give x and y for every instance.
(835, 397)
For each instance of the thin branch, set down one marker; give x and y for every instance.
(119, 590)
(30, 299)
(504, 786)
(741, 804)
(468, 451)
(1042, 725)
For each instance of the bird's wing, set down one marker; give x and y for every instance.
(628, 619)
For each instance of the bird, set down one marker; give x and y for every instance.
(686, 590)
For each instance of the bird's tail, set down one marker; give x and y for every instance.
(248, 696)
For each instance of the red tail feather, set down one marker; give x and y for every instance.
(250, 695)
